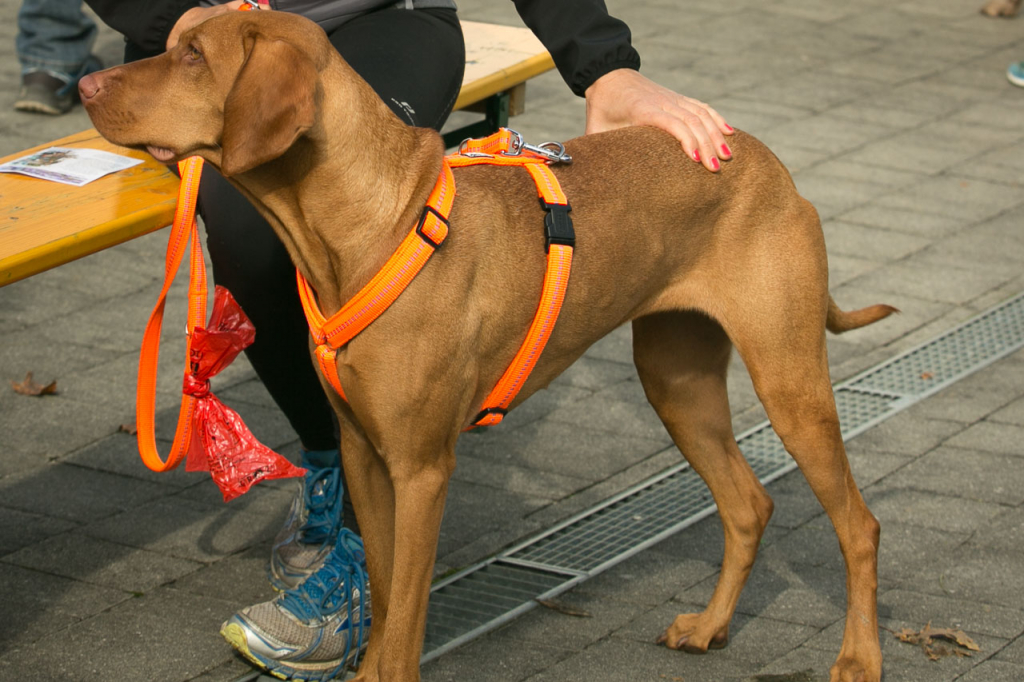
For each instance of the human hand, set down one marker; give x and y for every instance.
(196, 16)
(624, 97)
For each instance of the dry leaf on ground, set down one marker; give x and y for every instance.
(562, 607)
(30, 387)
(130, 429)
(926, 636)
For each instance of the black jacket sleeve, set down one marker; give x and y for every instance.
(585, 42)
(147, 24)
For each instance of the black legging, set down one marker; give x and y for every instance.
(414, 59)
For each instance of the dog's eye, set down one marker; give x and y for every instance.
(194, 54)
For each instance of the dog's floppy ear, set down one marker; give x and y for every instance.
(272, 103)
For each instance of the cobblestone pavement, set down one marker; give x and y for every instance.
(897, 122)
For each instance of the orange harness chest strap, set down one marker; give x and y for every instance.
(504, 148)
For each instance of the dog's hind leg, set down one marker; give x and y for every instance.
(787, 359)
(682, 359)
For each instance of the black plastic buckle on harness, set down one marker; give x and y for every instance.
(423, 221)
(558, 225)
(488, 412)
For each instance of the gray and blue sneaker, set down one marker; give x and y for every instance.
(309, 532)
(314, 631)
(1015, 73)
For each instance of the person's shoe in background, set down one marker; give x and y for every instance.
(47, 92)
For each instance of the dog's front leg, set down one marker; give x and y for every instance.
(373, 497)
(419, 507)
(401, 545)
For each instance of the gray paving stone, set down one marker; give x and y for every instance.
(975, 573)
(23, 352)
(909, 152)
(907, 552)
(76, 494)
(615, 347)
(957, 285)
(100, 562)
(963, 473)
(939, 512)
(187, 529)
(516, 479)
(871, 243)
(839, 194)
(472, 511)
(18, 529)
(908, 662)
(541, 404)
(55, 424)
(957, 197)
(906, 433)
(552, 627)
(594, 374)
(1012, 652)
(651, 577)
(913, 222)
(795, 504)
(545, 444)
(986, 619)
(1006, 439)
(802, 664)
(158, 622)
(870, 467)
(823, 132)
(1011, 414)
(971, 399)
(1004, 533)
(618, 659)
(621, 408)
(781, 590)
(29, 304)
(504, 663)
(995, 671)
(36, 604)
(240, 578)
(119, 454)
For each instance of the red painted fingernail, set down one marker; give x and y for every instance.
(696, 155)
(714, 163)
(726, 150)
(730, 128)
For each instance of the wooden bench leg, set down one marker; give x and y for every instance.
(495, 108)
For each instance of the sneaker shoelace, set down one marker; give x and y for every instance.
(331, 588)
(321, 490)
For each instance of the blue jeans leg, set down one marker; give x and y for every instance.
(55, 36)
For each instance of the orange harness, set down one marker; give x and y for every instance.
(504, 148)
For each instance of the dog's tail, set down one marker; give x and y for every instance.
(840, 321)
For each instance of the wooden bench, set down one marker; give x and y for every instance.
(45, 224)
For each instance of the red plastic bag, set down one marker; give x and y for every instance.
(221, 442)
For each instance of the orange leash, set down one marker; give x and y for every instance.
(183, 230)
(504, 148)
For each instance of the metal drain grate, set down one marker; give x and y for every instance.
(493, 592)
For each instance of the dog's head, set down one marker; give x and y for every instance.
(237, 90)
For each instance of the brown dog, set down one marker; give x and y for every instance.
(699, 262)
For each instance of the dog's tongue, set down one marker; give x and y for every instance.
(161, 154)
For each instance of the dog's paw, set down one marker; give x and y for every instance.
(1001, 8)
(851, 670)
(694, 634)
